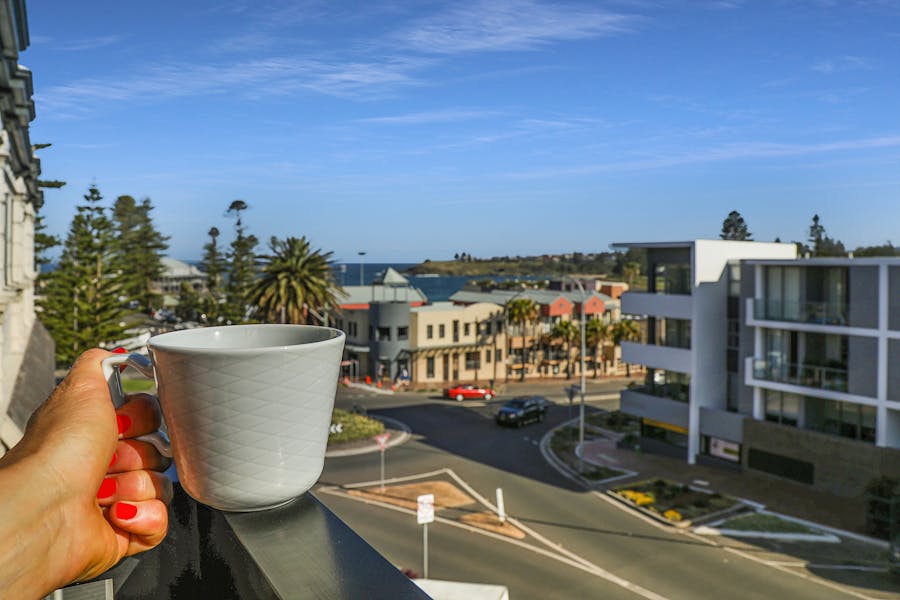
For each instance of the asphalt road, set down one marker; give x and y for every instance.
(581, 545)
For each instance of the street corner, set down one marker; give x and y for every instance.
(395, 433)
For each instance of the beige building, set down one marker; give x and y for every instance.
(450, 343)
(26, 366)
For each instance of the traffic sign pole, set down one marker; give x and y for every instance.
(382, 469)
(425, 547)
(382, 439)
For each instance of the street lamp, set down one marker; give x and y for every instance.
(581, 415)
(361, 254)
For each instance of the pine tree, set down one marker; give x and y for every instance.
(822, 245)
(140, 249)
(43, 242)
(242, 274)
(734, 228)
(82, 306)
(214, 265)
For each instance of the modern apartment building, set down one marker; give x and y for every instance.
(26, 366)
(766, 361)
(451, 342)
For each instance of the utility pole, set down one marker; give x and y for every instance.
(361, 254)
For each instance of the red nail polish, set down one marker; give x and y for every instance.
(113, 461)
(107, 488)
(123, 422)
(119, 350)
(125, 511)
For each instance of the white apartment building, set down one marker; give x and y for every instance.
(26, 366)
(766, 361)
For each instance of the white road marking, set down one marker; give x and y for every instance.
(558, 552)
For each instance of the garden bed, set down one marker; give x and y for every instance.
(614, 421)
(676, 503)
(563, 445)
(349, 427)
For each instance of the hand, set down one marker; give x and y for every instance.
(79, 493)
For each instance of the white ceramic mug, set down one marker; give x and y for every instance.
(247, 408)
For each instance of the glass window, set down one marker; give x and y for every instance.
(473, 360)
(487, 356)
(403, 333)
(498, 355)
(429, 331)
(429, 367)
(384, 334)
(466, 328)
(441, 330)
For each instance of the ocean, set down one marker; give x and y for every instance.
(436, 289)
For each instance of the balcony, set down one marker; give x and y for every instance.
(297, 550)
(812, 376)
(819, 313)
(657, 305)
(657, 357)
(642, 402)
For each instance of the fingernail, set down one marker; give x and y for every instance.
(113, 461)
(119, 350)
(107, 488)
(125, 511)
(123, 422)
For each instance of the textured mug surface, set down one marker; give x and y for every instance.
(248, 409)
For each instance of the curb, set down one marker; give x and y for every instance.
(403, 428)
(565, 470)
(826, 538)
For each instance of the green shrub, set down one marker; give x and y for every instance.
(353, 427)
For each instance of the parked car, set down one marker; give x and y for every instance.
(469, 392)
(522, 410)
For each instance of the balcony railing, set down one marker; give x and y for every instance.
(822, 313)
(814, 376)
(673, 391)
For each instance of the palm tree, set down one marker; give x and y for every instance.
(294, 280)
(565, 331)
(521, 312)
(626, 330)
(596, 334)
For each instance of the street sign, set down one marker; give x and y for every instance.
(382, 439)
(425, 510)
(571, 391)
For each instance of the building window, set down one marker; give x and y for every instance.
(668, 384)
(429, 331)
(498, 355)
(845, 419)
(672, 333)
(455, 331)
(441, 330)
(429, 367)
(466, 329)
(487, 356)
(384, 334)
(473, 360)
(403, 333)
(487, 328)
(499, 327)
(783, 408)
(671, 278)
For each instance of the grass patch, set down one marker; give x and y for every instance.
(764, 522)
(353, 427)
(134, 386)
(614, 421)
(674, 501)
(563, 444)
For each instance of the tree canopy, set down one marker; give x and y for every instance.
(734, 228)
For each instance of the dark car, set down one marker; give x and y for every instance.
(520, 411)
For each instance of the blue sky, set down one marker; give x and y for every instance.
(415, 130)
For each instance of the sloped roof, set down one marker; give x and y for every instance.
(392, 278)
(540, 296)
(172, 267)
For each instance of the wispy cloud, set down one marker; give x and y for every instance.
(726, 152)
(88, 43)
(509, 25)
(841, 64)
(266, 77)
(437, 116)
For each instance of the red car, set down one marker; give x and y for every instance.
(468, 392)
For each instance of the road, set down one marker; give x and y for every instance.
(579, 544)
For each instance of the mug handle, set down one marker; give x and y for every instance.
(140, 362)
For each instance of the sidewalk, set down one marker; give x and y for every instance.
(779, 495)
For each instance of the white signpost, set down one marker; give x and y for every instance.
(424, 516)
(501, 509)
(382, 440)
